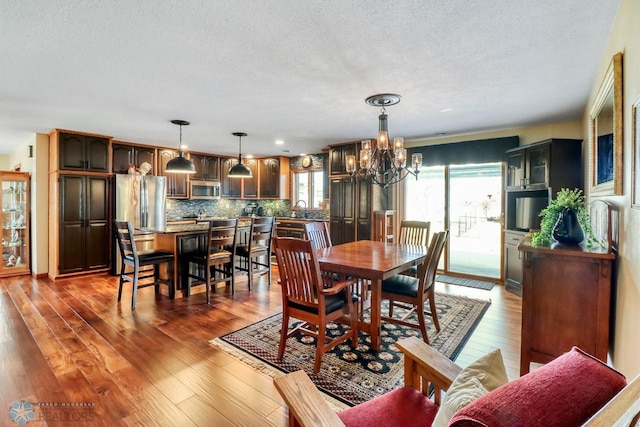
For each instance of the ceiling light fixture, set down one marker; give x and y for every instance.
(384, 164)
(180, 164)
(239, 170)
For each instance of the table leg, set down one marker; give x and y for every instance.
(376, 300)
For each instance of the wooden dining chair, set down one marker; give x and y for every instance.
(413, 292)
(216, 263)
(414, 233)
(257, 247)
(305, 298)
(131, 257)
(318, 233)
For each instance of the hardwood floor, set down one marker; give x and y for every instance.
(69, 341)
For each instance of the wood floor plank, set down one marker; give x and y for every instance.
(71, 340)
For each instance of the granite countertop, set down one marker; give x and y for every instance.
(189, 228)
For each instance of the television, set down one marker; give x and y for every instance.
(527, 210)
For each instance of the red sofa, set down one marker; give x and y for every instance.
(567, 391)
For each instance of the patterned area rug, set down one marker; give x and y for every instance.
(352, 376)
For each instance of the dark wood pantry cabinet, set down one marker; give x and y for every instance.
(84, 223)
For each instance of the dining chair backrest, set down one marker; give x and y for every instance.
(414, 232)
(427, 270)
(126, 243)
(299, 271)
(222, 235)
(318, 233)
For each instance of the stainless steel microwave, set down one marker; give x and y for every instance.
(205, 190)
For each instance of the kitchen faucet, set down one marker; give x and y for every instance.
(305, 206)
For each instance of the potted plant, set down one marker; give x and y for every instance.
(566, 202)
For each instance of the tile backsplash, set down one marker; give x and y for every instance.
(179, 208)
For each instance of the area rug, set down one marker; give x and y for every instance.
(352, 376)
(461, 281)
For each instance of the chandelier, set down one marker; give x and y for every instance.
(386, 163)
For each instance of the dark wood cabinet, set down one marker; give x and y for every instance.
(566, 300)
(125, 155)
(342, 210)
(84, 226)
(176, 182)
(364, 214)
(207, 167)
(554, 163)
(513, 262)
(250, 185)
(239, 187)
(535, 172)
(82, 152)
(338, 158)
(290, 228)
(269, 178)
(230, 187)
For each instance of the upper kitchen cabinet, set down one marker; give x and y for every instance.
(125, 155)
(207, 167)
(176, 182)
(338, 158)
(246, 188)
(274, 178)
(231, 187)
(74, 151)
(553, 163)
(250, 185)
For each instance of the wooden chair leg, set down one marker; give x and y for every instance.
(319, 349)
(283, 335)
(170, 281)
(134, 292)
(156, 278)
(423, 325)
(121, 282)
(434, 313)
(207, 282)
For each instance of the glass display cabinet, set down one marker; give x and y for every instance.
(15, 223)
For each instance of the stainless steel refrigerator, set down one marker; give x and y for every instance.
(141, 200)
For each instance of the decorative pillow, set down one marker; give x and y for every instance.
(474, 381)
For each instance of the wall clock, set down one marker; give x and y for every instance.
(306, 161)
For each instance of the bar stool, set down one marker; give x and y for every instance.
(133, 258)
(216, 263)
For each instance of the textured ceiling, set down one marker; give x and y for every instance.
(292, 70)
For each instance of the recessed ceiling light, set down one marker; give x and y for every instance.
(285, 151)
(446, 110)
(279, 142)
(249, 156)
(303, 154)
(441, 134)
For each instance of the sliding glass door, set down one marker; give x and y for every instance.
(466, 200)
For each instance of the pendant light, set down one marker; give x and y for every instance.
(239, 170)
(180, 164)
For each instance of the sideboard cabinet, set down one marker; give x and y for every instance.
(566, 300)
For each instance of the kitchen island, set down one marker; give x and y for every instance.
(185, 239)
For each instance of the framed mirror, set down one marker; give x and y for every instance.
(606, 132)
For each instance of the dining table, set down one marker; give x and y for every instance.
(373, 261)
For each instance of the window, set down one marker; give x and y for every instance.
(308, 188)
